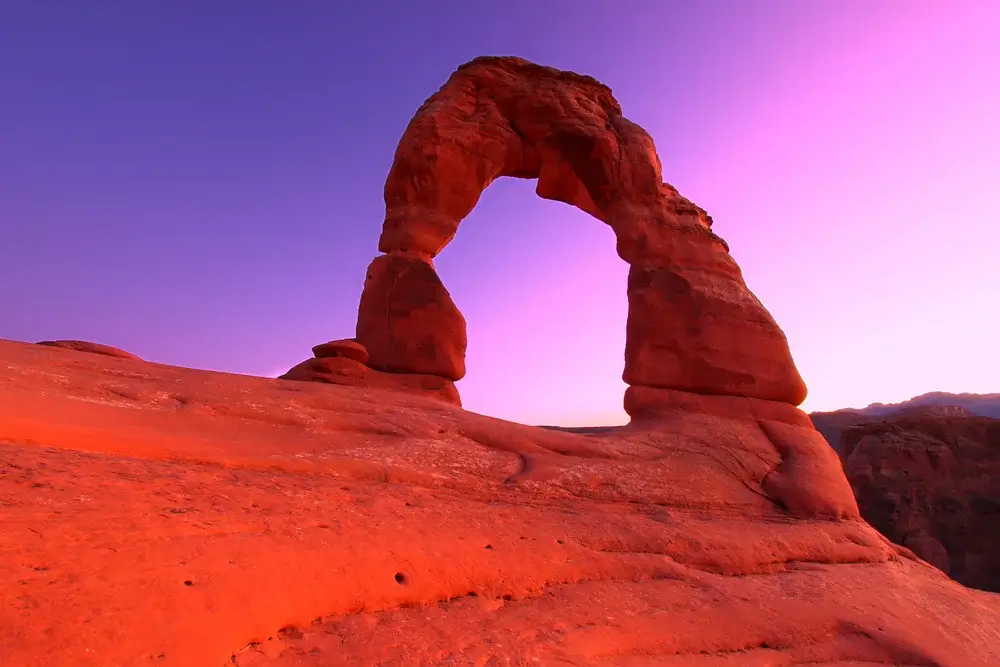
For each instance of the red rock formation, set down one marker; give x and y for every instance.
(407, 320)
(345, 362)
(166, 516)
(693, 325)
(84, 346)
(161, 515)
(806, 479)
(930, 483)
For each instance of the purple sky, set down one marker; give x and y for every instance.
(200, 182)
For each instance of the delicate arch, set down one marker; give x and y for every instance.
(693, 325)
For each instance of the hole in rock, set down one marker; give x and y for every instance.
(400, 578)
(188, 582)
(543, 292)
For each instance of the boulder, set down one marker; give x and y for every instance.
(351, 373)
(347, 348)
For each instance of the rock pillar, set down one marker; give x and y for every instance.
(407, 321)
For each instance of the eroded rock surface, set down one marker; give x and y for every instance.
(166, 516)
(693, 324)
(86, 346)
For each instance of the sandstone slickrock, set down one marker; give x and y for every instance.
(693, 324)
(85, 346)
(173, 517)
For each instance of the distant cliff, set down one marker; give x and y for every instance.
(924, 473)
(928, 481)
(984, 405)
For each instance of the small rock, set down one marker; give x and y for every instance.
(347, 348)
(95, 348)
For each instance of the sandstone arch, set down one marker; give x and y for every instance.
(693, 325)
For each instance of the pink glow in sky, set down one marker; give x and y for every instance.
(207, 192)
(859, 189)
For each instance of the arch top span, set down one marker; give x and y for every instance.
(499, 117)
(693, 325)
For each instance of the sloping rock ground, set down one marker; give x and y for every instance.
(154, 515)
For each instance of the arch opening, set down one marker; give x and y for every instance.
(543, 295)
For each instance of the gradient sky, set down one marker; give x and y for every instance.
(200, 182)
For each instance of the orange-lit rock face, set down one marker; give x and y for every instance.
(693, 324)
(155, 515)
(407, 320)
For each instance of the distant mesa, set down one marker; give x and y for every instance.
(985, 405)
(95, 348)
(833, 424)
(693, 325)
(942, 404)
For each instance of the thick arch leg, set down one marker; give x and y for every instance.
(694, 325)
(407, 320)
